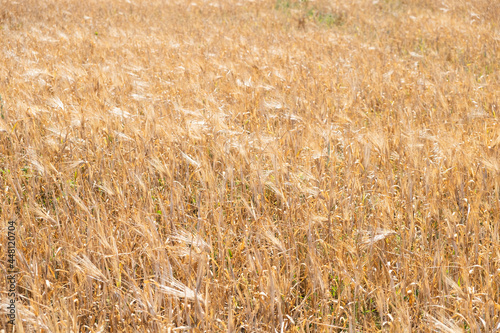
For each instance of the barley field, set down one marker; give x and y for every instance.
(251, 165)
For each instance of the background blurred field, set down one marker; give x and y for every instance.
(252, 166)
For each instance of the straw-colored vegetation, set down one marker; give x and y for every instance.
(251, 166)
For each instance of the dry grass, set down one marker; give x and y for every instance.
(252, 166)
